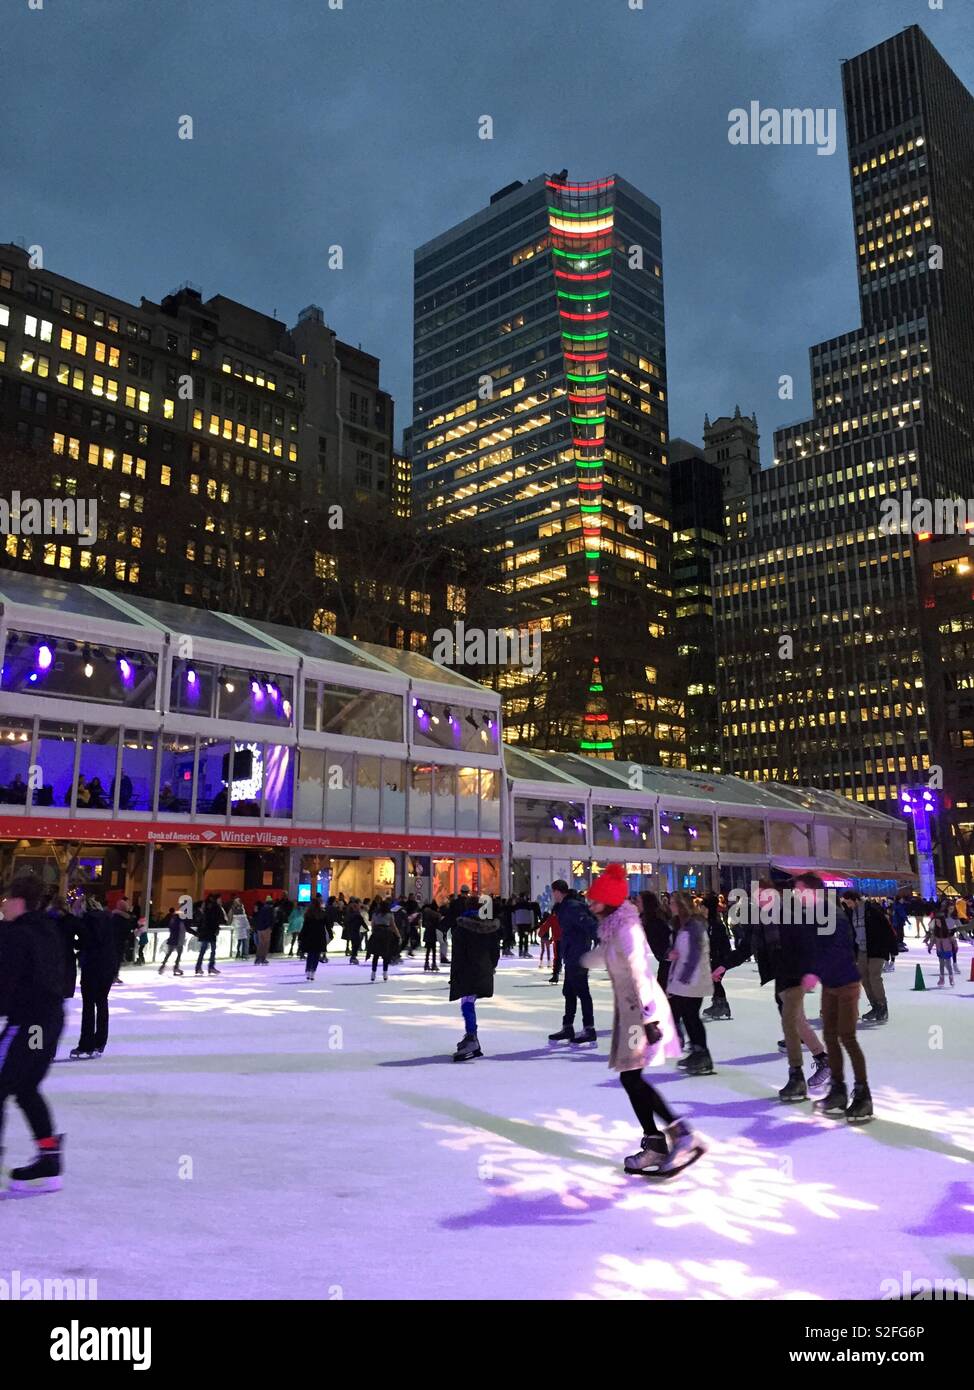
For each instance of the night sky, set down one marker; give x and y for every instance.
(358, 126)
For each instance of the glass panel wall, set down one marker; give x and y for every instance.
(37, 665)
(420, 796)
(176, 774)
(444, 798)
(490, 801)
(254, 697)
(468, 799)
(279, 760)
(740, 835)
(339, 774)
(622, 827)
(394, 773)
(192, 687)
(437, 725)
(96, 774)
(138, 768)
(212, 784)
(549, 822)
(311, 785)
(367, 792)
(335, 709)
(15, 743)
(685, 830)
(55, 758)
(790, 840)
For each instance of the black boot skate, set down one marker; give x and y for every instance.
(861, 1108)
(821, 1074)
(566, 1033)
(836, 1102)
(468, 1048)
(685, 1148)
(699, 1063)
(652, 1151)
(587, 1035)
(795, 1089)
(43, 1175)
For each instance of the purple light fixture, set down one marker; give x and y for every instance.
(45, 656)
(191, 677)
(125, 666)
(558, 823)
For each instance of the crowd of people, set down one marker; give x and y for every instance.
(665, 956)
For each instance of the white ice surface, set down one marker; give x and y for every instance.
(254, 1136)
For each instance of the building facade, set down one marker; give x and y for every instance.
(204, 429)
(540, 417)
(825, 672)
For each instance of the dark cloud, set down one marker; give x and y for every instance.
(358, 126)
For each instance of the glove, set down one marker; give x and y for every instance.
(653, 1032)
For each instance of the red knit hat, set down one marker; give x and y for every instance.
(611, 887)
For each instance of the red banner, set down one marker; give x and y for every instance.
(134, 832)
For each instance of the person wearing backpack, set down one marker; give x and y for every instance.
(579, 932)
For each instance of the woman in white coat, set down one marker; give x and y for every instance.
(643, 1032)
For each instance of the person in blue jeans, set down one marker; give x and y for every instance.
(579, 933)
(473, 960)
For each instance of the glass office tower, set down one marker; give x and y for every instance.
(540, 421)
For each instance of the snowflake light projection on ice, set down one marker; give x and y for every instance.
(623, 1279)
(738, 1192)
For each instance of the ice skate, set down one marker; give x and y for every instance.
(861, 1108)
(468, 1048)
(177, 971)
(587, 1035)
(821, 1075)
(795, 1088)
(652, 1151)
(565, 1034)
(699, 1063)
(717, 1013)
(77, 1054)
(869, 1017)
(43, 1175)
(213, 970)
(685, 1148)
(836, 1102)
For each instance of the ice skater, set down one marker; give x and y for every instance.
(385, 942)
(474, 955)
(175, 941)
(835, 965)
(295, 922)
(32, 990)
(643, 1034)
(431, 920)
(940, 938)
(579, 933)
(689, 981)
(313, 944)
(98, 960)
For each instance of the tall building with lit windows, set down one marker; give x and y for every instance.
(825, 671)
(144, 406)
(540, 418)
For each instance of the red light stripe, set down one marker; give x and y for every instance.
(591, 275)
(586, 356)
(580, 187)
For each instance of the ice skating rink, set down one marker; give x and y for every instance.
(250, 1136)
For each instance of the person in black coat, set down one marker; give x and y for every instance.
(123, 925)
(313, 937)
(354, 927)
(98, 961)
(208, 932)
(474, 955)
(430, 918)
(720, 952)
(32, 988)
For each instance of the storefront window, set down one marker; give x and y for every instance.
(549, 822)
(55, 757)
(38, 665)
(192, 687)
(445, 798)
(15, 740)
(394, 793)
(459, 727)
(468, 798)
(622, 827)
(685, 830)
(443, 880)
(740, 835)
(254, 697)
(138, 766)
(367, 792)
(490, 801)
(311, 785)
(176, 775)
(278, 781)
(96, 774)
(792, 841)
(339, 772)
(420, 796)
(490, 876)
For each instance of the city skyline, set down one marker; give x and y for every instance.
(768, 213)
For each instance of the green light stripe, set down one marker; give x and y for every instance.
(587, 419)
(596, 376)
(596, 688)
(589, 463)
(588, 743)
(582, 255)
(584, 337)
(600, 294)
(581, 216)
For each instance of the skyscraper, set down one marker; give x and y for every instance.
(824, 672)
(540, 414)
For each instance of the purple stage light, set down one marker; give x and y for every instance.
(32, 676)
(125, 666)
(558, 823)
(191, 677)
(45, 656)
